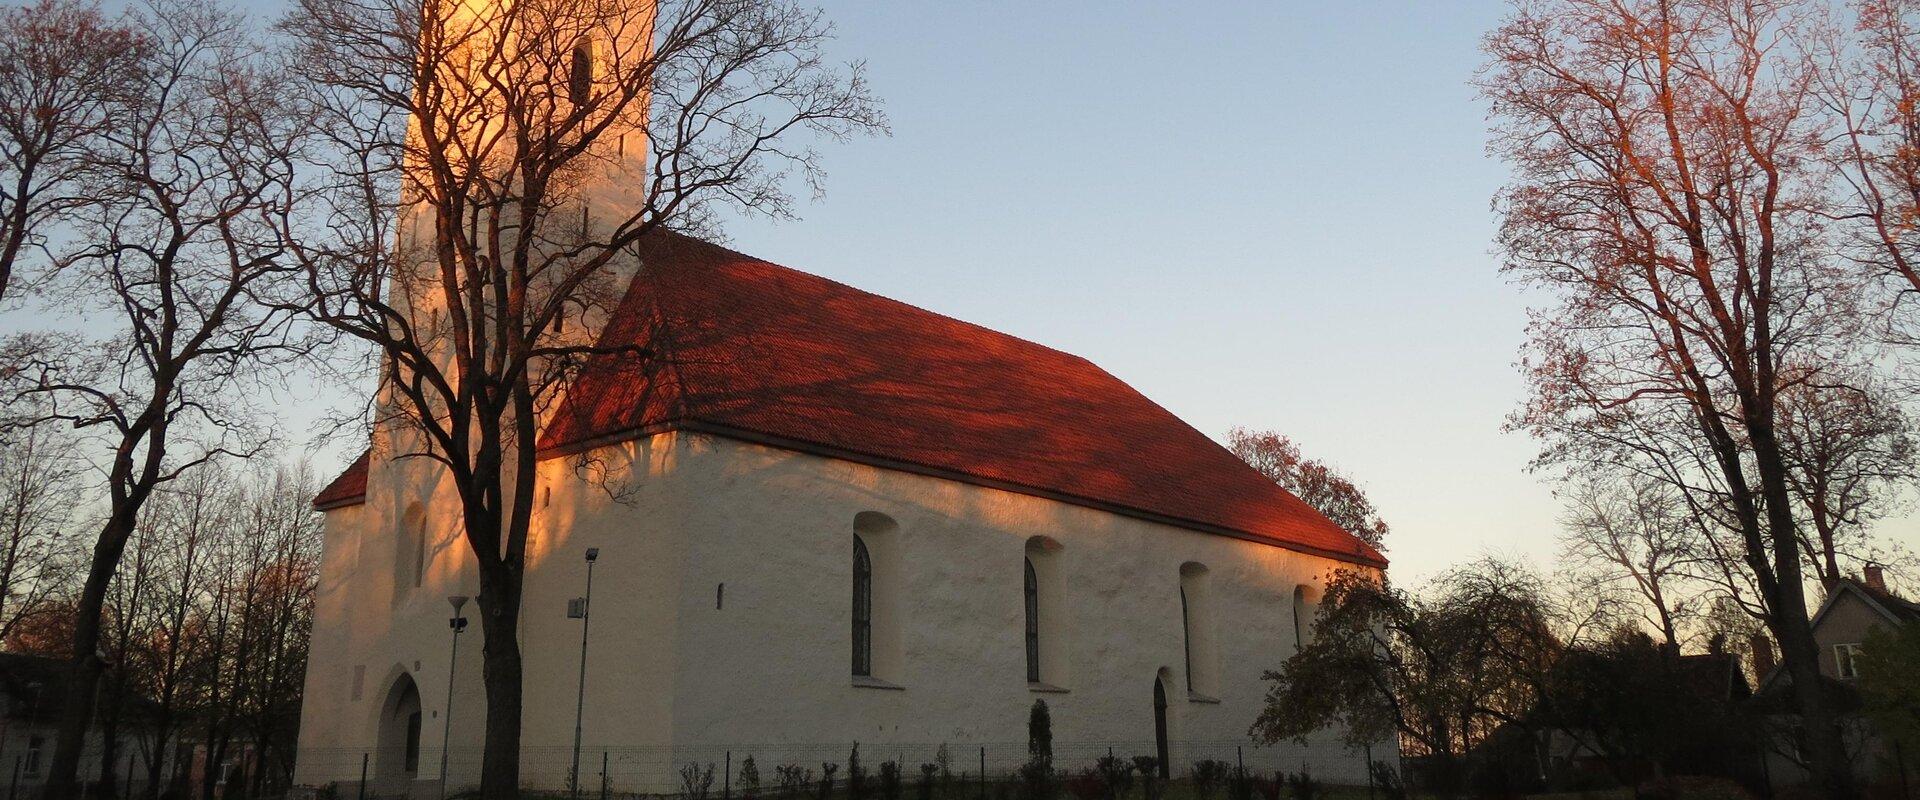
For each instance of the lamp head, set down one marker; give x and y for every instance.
(458, 601)
(593, 554)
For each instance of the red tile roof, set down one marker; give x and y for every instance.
(348, 489)
(751, 350)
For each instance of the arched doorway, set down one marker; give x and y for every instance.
(1160, 725)
(398, 762)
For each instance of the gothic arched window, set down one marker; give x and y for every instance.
(1197, 627)
(1186, 638)
(1299, 625)
(1033, 624)
(862, 608)
(580, 75)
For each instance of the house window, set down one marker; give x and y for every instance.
(1845, 663)
(32, 762)
(580, 76)
(862, 608)
(1033, 623)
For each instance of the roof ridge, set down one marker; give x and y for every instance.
(895, 301)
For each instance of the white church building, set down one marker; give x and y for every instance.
(823, 517)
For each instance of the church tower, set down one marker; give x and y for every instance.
(528, 135)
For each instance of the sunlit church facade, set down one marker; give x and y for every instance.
(822, 517)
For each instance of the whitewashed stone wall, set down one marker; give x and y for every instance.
(682, 670)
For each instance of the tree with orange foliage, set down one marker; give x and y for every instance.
(1669, 197)
(1315, 482)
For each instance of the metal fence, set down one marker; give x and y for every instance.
(678, 771)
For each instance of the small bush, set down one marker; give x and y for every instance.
(856, 775)
(824, 790)
(889, 780)
(1089, 784)
(749, 779)
(1269, 788)
(696, 782)
(929, 777)
(1207, 775)
(1037, 780)
(790, 780)
(1117, 773)
(1239, 785)
(1151, 786)
(1040, 733)
(1303, 785)
(944, 760)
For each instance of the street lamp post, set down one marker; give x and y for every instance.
(457, 623)
(581, 610)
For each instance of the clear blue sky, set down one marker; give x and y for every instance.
(1268, 214)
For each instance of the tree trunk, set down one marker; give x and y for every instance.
(83, 678)
(499, 603)
(1826, 747)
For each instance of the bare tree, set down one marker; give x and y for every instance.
(1636, 530)
(1872, 82)
(515, 153)
(1668, 192)
(170, 652)
(40, 489)
(63, 66)
(168, 287)
(1850, 450)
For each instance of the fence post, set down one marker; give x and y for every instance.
(363, 775)
(129, 792)
(603, 775)
(983, 773)
(14, 787)
(726, 777)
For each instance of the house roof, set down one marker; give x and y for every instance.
(350, 488)
(1896, 609)
(739, 347)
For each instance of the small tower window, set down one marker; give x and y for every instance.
(580, 76)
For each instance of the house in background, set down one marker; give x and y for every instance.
(1852, 609)
(31, 689)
